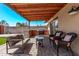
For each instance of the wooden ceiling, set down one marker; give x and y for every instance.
(37, 11)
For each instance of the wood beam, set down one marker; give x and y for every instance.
(37, 18)
(36, 11)
(28, 14)
(38, 15)
(36, 8)
(49, 12)
(34, 5)
(46, 19)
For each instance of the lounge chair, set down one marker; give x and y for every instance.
(13, 40)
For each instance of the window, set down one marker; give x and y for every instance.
(55, 25)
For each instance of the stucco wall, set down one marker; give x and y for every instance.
(22, 30)
(17, 30)
(69, 23)
(38, 27)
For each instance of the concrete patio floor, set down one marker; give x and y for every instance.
(29, 49)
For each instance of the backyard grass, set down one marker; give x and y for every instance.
(2, 40)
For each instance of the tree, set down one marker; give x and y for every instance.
(21, 24)
(3, 22)
(7, 24)
(18, 24)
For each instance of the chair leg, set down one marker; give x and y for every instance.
(67, 48)
(50, 41)
(36, 44)
(71, 51)
(54, 44)
(42, 43)
(7, 47)
(57, 48)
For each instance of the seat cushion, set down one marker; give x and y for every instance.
(67, 38)
(57, 34)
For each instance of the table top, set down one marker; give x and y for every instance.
(8, 35)
(39, 36)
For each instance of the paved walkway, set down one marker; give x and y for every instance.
(29, 49)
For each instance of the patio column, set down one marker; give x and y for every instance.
(29, 29)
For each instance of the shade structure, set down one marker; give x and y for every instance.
(36, 11)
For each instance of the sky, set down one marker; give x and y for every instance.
(11, 17)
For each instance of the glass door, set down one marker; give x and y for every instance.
(55, 26)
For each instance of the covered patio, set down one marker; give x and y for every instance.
(54, 16)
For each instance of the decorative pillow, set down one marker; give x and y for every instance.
(67, 38)
(57, 34)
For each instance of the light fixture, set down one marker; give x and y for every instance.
(74, 10)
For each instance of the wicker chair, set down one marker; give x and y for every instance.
(66, 42)
(54, 37)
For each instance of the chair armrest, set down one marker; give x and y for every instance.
(56, 42)
(51, 35)
(57, 38)
(68, 44)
